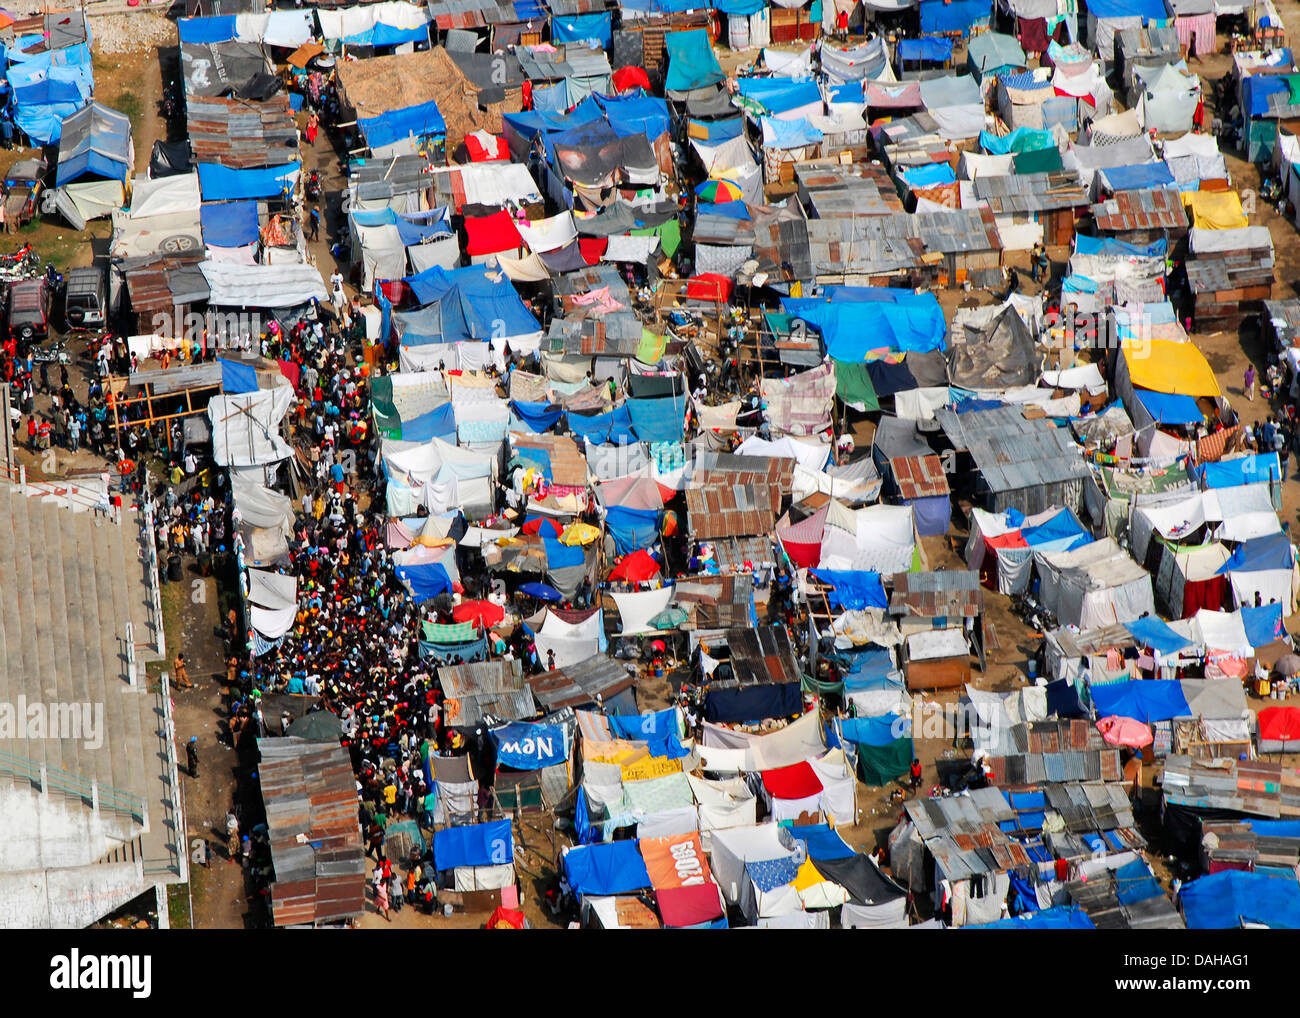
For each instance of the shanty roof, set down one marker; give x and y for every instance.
(580, 684)
(488, 687)
(1284, 315)
(949, 593)
(736, 496)
(565, 62)
(1262, 788)
(1032, 192)
(759, 656)
(1228, 272)
(161, 286)
(1012, 452)
(919, 476)
(379, 179)
(241, 134)
(1155, 209)
(568, 464)
(310, 793)
(716, 601)
(859, 189)
(448, 14)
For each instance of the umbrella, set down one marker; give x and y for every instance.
(318, 726)
(541, 525)
(579, 533)
(541, 591)
(1287, 665)
(485, 613)
(719, 191)
(669, 618)
(1120, 731)
(638, 566)
(627, 78)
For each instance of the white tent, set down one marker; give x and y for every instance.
(731, 852)
(1094, 585)
(246, 427)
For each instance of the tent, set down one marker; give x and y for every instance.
(691, 63)
(480, 856)
(1001, 546)
(883, 745)
(1279, 729)
(1233, 898)
(1263, 568)
(1094, 585)
(96, 159)
(756, 870)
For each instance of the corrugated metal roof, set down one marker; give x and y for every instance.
(1156, 209)
(579, 684)
(1012, 452)
(242, 134)
(760, 656)
(948, 593)
(919, 476)
(1032, 192)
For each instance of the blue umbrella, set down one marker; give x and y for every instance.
(541, 591)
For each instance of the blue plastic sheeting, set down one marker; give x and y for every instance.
(930, 175)
(236, 377)
(925, 49)
(1254, 469)
(1149, 700)
(1222, 901)
(474, 845)
(852, 329)
(529, 747)
(821, 840)
(850, 92)
(691, 62)
(1110, 246)
(1263, 624)
(538, 459)
(779, 95)
(597, 28)
(412, 234)
(533, 123)
(229, 224)
(660, 724)
(1156, 634)
(660, 419)
(753, 703)
(421, 121)
(867, 668)
(425, 580)
(954, 15)
(104, 152)
(853, 589)
(634, 114)
(1142, 177)
(884, 730)
(1022, 139)
(1063, 700)
(388, 35)
(789, 133)
(1023, 897)
(437, 423)
(1058, 917)
(560, 555)
(473, 305)
(1256, 89)
(538, 417)
(197, 30)
(1271, 552)
(220, 183)
(740, 8)
(40, 108)
(613, 427)
(1273, 828)
(726, 209)
(1060, 527)
(615, 867)
(1170, 408)
(1147, 10)
(933, 514)
(1135, 883)
(632, 528)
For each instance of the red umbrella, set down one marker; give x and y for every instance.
(627, 78)
(638, 566)
(485, 613)
(541, 524)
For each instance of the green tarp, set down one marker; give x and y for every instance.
(669, 233)
(1042, 160)
(853, 386)
(879, 765)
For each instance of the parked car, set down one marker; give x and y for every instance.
(85, 299)
(23, 184)
(27, 310)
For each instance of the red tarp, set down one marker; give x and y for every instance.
(1208, 594)
(485, 613)
(592, 249)
(1279, 724)
(505, 919)
(689, 906)
(1118, 731)
(709, 286)
(627, 78)
(798, 781)
(486, 148)
(636, 567)
(494, 234)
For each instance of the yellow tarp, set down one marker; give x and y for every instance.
(615, 751)
(1213, 210)
(651, 767)
(1163, 365)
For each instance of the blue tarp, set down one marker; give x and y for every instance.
(753, 703)
(1064, 526)
(1022, 139)
(632, 528)
(560, 555)
(1156, 634)
(1170, 408)
(40, 108)
(740, 8)
(1148, 700)
(853, 328)
(1058, 917)
(1222, 901)
(867, 668)
(1135, 883)
(635, 113)
(199, 30)
(1063, 700)
(655, 726)
(229, 224)
(727, 209)
(884, 730)
(529, 747)
(779, 95)
(391, 35)
(1271, 552)
(789, 133)
(615, 867)
(425, 579)
(474, 845)
(937, 50)
(237, 377)
(822, 841)
(661, 419)
(1147, 10)
(473, 304)
(1256, 468)
(1140, 177)
(953, 15)
(1263, 624)
(691, 62)
(1256, 89)
(421, 121)
(439, 422)
(1273, 828)
(538, 459)
(220, 183)
(929, 175)
(539, 417)
(582, 27)
(853, 588)
(612, 428)
(104, 151)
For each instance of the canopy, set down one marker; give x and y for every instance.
(490, 844)
(95, 142)
(636, 567)
(691, 61)
(1148, 700)
(1165, 365)
(615, 867)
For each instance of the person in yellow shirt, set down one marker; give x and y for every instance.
(390, 795)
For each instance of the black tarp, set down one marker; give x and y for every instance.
(169, 158)
(866, 884)
(259, 87)
(888, 379)
(753, 703)
(998, 355)
(1183, 826)
(652, 386)
(1063, 700)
